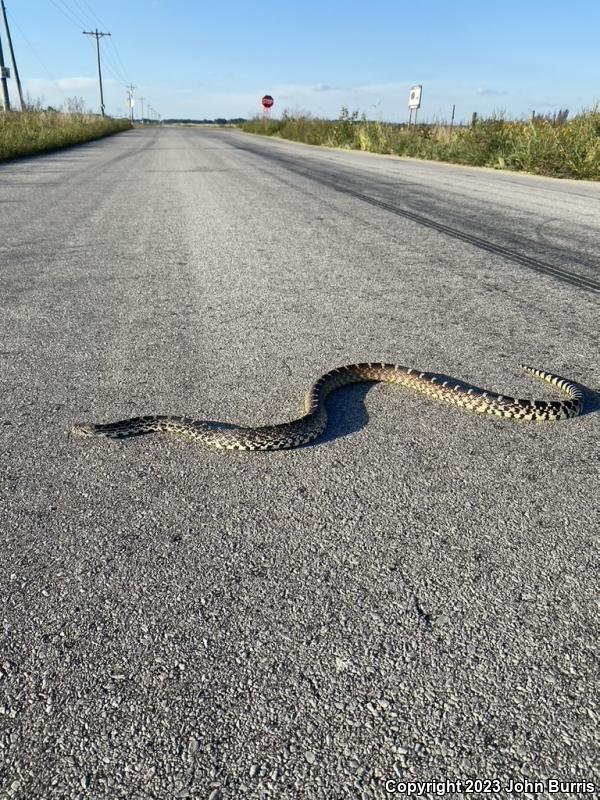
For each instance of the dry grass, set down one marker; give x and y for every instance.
(36, 131)
(544, 146)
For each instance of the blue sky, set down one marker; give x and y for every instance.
(216, 58)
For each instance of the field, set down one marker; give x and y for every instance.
(543, 145)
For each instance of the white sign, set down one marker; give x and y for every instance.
(414, 98)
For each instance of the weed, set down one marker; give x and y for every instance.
(36, 131)
(546, 145)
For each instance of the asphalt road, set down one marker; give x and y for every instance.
(412, 598)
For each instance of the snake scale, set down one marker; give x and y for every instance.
(314, 421)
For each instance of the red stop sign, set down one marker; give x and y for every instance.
(267, 101)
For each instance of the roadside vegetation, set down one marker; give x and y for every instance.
(544, 145)
(38, 130)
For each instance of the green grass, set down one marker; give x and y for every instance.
(560, 148)
(28, 132)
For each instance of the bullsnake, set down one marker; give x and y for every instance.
(312, 424)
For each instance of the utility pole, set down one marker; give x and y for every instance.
(98, 35)
(12, 56)
(4, 74)
(130, 89)
(142, 104)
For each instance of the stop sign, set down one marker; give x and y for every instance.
(267, 101)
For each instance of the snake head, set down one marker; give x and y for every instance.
(83, 431)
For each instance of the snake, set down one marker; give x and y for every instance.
(307, 428)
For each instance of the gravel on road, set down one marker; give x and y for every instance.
(414, 597)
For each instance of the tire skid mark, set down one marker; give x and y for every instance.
(568, 276)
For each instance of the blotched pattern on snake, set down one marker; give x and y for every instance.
(314, 421)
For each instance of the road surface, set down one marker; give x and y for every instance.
(413, 597)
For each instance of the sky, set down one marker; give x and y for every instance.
(217, 58)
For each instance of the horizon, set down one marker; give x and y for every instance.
(188, 61)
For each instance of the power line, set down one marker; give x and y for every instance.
(115, 65)
(118, 73)
(111, 68)
(66, 12)
(74, 11)
(80, 20)
(119, 60)
(92, 12)
(36, 55)
(80, 13)
(117, 69)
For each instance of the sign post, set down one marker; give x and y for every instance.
(414, 103)
(267, 104)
